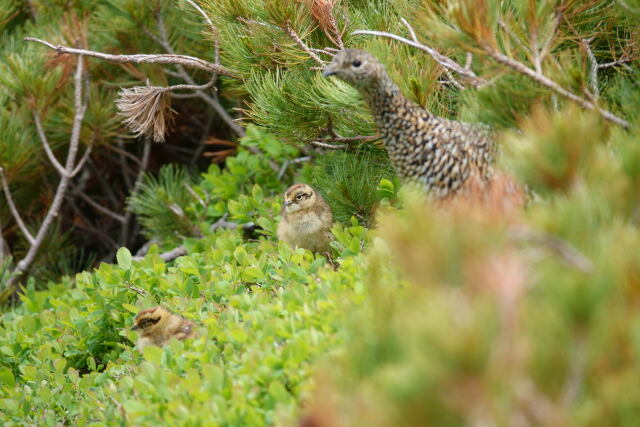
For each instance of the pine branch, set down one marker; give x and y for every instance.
(187, 61)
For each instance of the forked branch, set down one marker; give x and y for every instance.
(65, 179)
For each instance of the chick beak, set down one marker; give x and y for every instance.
(135, 328)
(329, 71)
(288, 203)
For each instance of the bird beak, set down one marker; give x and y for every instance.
(329, 71)
(289, 203)
(134, 328)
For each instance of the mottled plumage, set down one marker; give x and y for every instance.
(306, 219)
(437, 153)
(158, 325)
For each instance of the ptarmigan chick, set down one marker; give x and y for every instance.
(158, 325)
(306, 219)
(437, 153)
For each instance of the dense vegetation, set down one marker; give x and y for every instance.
(446, 315)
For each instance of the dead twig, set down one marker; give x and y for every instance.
(187, 61)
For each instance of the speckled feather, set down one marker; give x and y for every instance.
(437, 153)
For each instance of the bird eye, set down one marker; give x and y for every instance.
(299, 197)
(356, 63)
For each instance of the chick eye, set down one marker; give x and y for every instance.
(356, 63)
(299, 197)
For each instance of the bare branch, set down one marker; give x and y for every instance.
(287, 29)
(561, 247)
(65, 178)
(195, 195)
(288, 163)
(45, 144)
(187, 61)
(213, 102)
(329, 146)
(216, 42)
(167, 256)
(438, 57)
(100, 208)
(14, 211)
(622, 61)
(83, 160)
(410, 28)
(178, 251)
(550, 84)
(593, 67)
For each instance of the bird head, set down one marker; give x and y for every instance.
(356, 67)
(151, 320)
(299, 197)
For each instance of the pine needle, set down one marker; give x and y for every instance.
(146, 110)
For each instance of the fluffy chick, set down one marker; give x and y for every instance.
(306, 219)
(158, 325)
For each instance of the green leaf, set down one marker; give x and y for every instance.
(6, 377)
(132, 308)
(124, 258)
(278, 391)
(152, 354)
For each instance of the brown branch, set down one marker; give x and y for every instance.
(14, 210)
(187, 61)
(99, 207)
(65, 178)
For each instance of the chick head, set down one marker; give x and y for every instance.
(300, 197)
(356, 67)
(150, 320)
